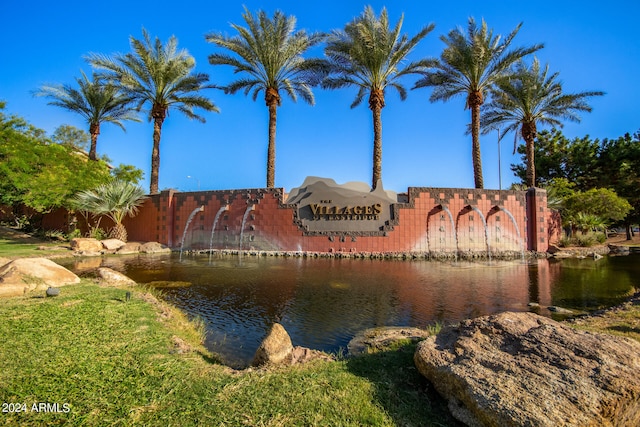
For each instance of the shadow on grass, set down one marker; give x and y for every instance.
(401, 390)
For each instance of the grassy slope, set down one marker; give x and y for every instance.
(119, 363)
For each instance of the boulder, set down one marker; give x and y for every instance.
(86, 245)
(130, 248)
(154, 248)
(27, 274)
(382, 337)
(112, 244)
(113, 277)
(275, 348)
(516, 369)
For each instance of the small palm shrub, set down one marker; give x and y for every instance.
(115, 200)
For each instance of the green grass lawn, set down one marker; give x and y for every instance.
(108, 361)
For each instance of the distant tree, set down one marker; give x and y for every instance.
(470, 65)
(162, 77)
(115, 200)
(600, 202)
(127, 173)
(37, 174)
(95, 101)
(557, 156)
(372, 56)
(527, 98)
(268, 54)
(71, 136)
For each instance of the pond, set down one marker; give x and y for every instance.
(324, 302)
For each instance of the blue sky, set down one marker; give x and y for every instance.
(594, 46)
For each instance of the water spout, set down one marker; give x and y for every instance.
(186, 227)
(515, 224)
(486, 230)
(453, 230)
(213, 228)
(244, 220)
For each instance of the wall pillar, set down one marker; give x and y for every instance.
(537, 213)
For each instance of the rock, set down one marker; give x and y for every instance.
(112, 244)
(86, 245)
(301, 355)
(154, 248)
(560, 310)
(53, 292)
(130, 248)
(27, 274)
(381, 338)
(275, 349)
(113, 277)
(516, 369)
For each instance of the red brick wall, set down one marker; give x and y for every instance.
(422, 224)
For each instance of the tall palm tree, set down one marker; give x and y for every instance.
(268, 52)
(370, 55)
(470, 65)
(97, 102)
(115, 200)
(527, 98)
(162, 77)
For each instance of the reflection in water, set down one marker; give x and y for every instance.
(323, 303)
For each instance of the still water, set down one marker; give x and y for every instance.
(323, 303)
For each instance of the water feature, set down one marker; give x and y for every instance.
(486, 230)
(244, 220)
(323, 303)
(515, 224)
(186, 226)
(215, 222)
(453, 229)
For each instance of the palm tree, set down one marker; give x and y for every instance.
(268, 52)
(95, 101)
(370, 55)
(115, 200)
(527, 98)
(161, 76)
(470, 65)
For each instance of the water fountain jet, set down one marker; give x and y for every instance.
(186, 227)
(223, 208)
(244, 220)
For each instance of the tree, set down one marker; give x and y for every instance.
(71, 136)
(470, 65)
(162, 77)
(268, 53)
(371, 56)
(527, 98)
(575, 160)
(600, 202)
(37, 174)
(97, 102)
(115, 200)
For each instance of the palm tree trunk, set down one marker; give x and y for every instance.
(272, 99)
(158, 113)
(474, 101)
(94, 130)
(376, 103)
(529, 134)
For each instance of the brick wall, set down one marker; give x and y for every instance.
(439, 220)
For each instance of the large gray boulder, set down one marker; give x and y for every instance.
(521, 369)
(20, 276)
